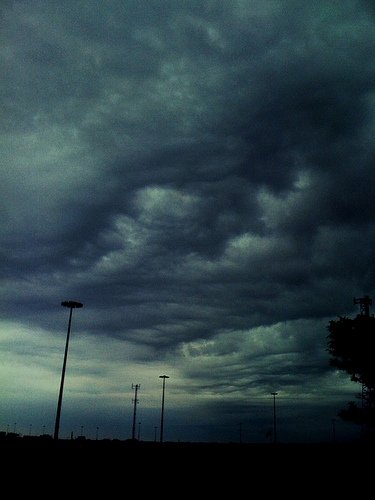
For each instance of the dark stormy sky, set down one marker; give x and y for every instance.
(200, 175)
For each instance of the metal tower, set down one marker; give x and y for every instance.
(364, 305)
(135, 401)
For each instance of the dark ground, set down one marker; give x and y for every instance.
(117, 468)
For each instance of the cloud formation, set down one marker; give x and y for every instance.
(200, 176)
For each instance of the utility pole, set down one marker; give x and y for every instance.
(135, 401)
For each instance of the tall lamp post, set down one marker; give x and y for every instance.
(162, 408)
(71, 304)
(274, 394)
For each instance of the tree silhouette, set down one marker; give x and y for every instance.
(351, 345)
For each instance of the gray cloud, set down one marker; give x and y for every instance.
(197, 175)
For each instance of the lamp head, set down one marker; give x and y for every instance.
(72, 304)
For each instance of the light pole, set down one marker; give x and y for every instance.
(162, 408)
(274, 394)
(71, 304)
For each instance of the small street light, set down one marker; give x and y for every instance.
(162, 408)
(274, 394)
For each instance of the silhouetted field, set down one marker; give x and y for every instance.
(215, 452)
(179, 469)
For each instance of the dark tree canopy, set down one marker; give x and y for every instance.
(351, 345)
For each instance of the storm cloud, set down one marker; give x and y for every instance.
(200, 176)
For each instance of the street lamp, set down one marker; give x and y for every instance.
(71, 304)
(162, 408)
(274, 394)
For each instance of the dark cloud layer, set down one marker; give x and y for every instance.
(194, 173)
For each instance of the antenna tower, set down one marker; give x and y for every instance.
(364, 305)
(135, 402)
